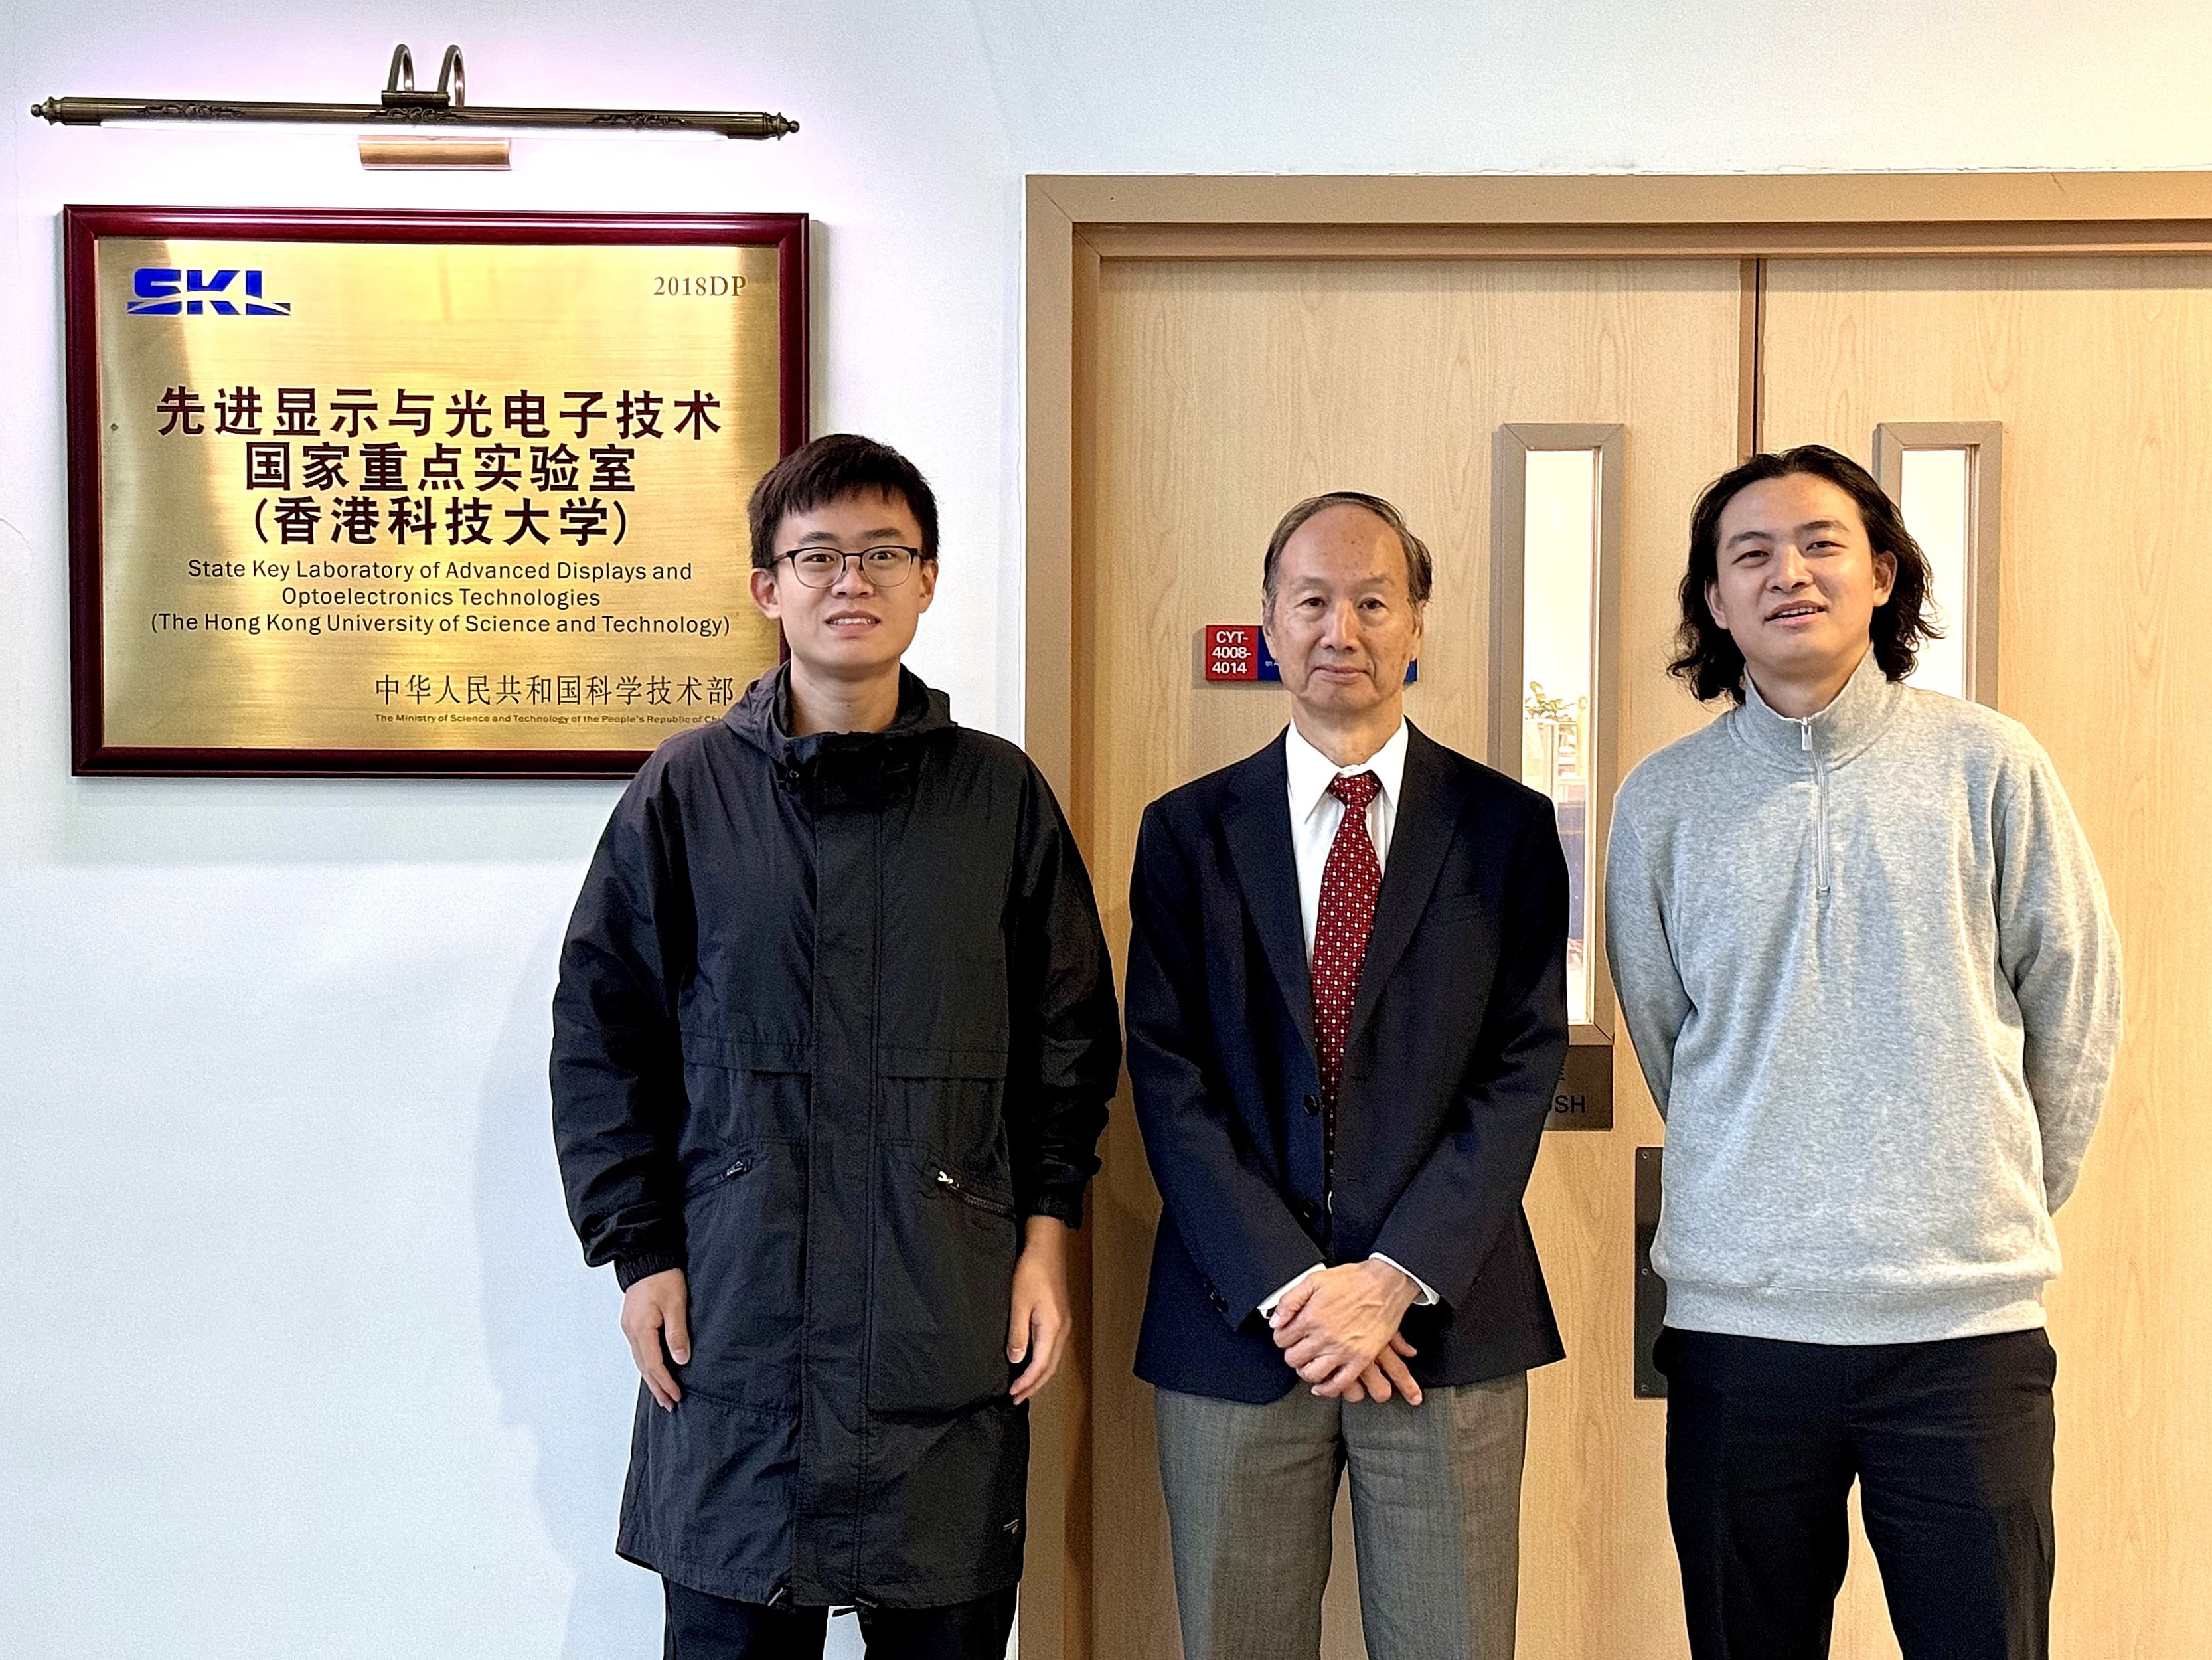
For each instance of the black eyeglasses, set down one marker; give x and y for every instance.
(884, 567)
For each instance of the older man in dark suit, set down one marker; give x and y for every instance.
(1346, 1017)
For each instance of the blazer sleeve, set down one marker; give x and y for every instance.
(1231, 1217)
(1451, 1215)
(1066, 1031)
(618, 1070)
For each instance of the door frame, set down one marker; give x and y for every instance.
(1075, 223)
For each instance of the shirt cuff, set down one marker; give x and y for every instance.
(1428, 1297)
(1267, 1307)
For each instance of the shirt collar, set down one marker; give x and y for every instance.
(1311, 771)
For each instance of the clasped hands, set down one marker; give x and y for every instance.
(1338, 1329)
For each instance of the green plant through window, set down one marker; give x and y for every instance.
(1542, 707)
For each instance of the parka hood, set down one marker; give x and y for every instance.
(763, 719)
(851, 767)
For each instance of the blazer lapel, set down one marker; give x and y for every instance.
(1428, 813)
(1257, 825)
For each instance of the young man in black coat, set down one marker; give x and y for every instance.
(833, 1044)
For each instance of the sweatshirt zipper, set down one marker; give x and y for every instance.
(960, 1189)
(1820, 809)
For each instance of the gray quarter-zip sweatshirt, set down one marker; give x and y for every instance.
(1873, 981)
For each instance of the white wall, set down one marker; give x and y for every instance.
(296, 1355)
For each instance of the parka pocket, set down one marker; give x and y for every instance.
(709, 1491)
(740, 1092)
(744, 1217)
(949, 1103)
(942, 1287)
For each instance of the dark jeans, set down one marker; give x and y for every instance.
(705, 1627)
(1951, 1443)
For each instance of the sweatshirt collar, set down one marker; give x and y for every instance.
(1861, 711)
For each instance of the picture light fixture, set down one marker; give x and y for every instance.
(445, 106)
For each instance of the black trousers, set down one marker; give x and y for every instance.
(1951, 1445)
(705, 1627)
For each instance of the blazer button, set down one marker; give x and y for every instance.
(1313, 1104)
(1220, 1302)
(1308, 1211)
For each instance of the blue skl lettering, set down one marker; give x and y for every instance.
(198, 282)
(256, 306)
(168, 291)
(155, 287)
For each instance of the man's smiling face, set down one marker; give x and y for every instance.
(855, 627)
(1797, 580)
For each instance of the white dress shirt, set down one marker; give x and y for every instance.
(1315, 816)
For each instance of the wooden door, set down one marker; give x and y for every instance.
(2100, 371)
(1218, 393)
(1210, 389)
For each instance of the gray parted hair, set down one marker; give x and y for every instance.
(1420, 569)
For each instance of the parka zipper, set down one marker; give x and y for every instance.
(960, 1189)
(1820, 809)
(735, 1168)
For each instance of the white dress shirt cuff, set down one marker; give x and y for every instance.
(1428, 1297)
(1267, 1308)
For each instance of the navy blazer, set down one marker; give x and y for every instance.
(1458, 1031)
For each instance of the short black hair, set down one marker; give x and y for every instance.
(1420, 569)
(837, 463)
(1706, 654)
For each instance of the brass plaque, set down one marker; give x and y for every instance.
(453, 494)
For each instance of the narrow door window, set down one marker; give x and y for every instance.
(1555, 547)
(1944, 477)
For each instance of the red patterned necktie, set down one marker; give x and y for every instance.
(1349, 882)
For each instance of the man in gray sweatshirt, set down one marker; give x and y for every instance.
(1867, 965)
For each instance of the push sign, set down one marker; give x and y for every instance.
(1238, 651)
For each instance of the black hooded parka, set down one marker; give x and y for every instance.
(834, 1014)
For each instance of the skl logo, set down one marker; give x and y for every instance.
(166, 291)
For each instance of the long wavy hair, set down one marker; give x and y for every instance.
(1706, 654)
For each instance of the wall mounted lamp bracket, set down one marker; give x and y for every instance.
(403, 104)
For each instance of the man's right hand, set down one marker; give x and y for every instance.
(1386, 1370)
(654, 1318)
